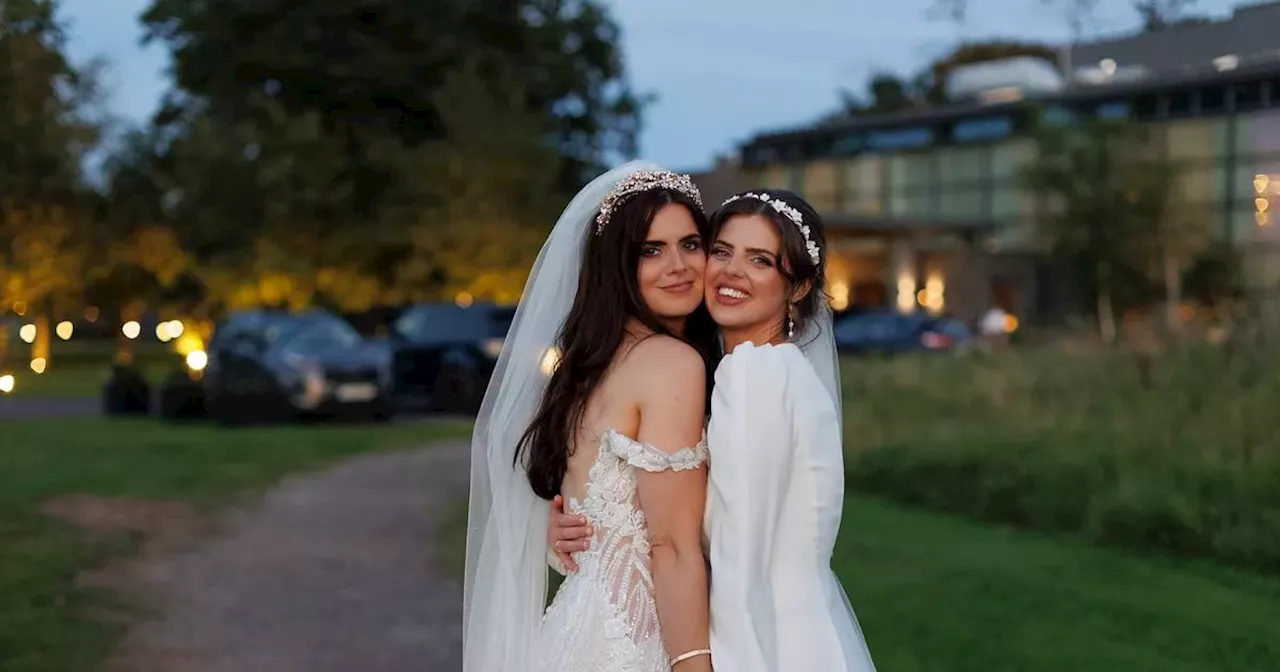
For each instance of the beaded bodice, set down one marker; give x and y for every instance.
(614, 573)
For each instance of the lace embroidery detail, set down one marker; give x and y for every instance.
(649, 458)
(604, 618)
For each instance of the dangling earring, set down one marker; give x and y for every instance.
(791, 323)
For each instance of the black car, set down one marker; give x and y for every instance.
(267, 364)
(887, 332)
(443, 354)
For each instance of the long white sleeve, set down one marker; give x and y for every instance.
(751, 411)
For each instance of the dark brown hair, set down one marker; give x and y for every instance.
(608, 296)
(797, 266)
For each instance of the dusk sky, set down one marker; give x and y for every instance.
(722, 70)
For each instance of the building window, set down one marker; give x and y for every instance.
(765, 154)
(864, 186)
(820, 186)
(1196, 139)
(1113, 110)
(1248, 96)
(902, 138)
(1058, 115)
(978, 130)
(962, 205)
(1146, 107)
(849, 144)
(961, 165)
(911, 172)
(1009, 159)
(1180, 104)
(1213, 99)
(1258, 133)
(1202, 184)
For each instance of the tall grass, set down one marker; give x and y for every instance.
(1180, 454)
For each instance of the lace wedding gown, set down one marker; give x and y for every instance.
(604, 618)
(774, 501)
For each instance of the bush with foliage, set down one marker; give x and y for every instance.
(1184, 459)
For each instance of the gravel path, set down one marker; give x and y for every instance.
(20, 408)
(334, 572)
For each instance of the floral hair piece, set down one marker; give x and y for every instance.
(790, 213)
(642, 181)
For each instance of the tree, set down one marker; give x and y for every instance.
(1078, 10)
(502, 187)
(373, 68)
(336, 150)
(47, 127)
(1111, 200)
(886, 94)
(1160, 14)
(47, 106)
(1154, 14)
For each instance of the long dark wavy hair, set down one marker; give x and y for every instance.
(798, 267)
(608, 296)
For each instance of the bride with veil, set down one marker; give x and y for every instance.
(775, 490)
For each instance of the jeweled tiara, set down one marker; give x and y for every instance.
(642, 181)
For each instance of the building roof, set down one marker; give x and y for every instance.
(1180, 56)
(1249, 34)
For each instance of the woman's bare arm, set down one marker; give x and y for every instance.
(672, 412)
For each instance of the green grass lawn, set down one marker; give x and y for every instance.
(76, 381)
(43, 627)
(940, 594)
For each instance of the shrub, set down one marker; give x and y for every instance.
(1073, 440)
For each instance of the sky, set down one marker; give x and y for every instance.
(721, 70)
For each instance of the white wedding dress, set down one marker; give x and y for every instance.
(604, 618)
(775, 497)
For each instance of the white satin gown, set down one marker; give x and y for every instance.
(775, 497)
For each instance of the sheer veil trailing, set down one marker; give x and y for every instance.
(818, 343)
(505, 588)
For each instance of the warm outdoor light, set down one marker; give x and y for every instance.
(162, 332)
(131, 329)
(38, 364)
(20, 307)
(28, 333)
(6, 383)
(934, 293)
(197, 360)
(175, 328)
(906, 293)
(64, 330)
(463, 300)
(839, 295)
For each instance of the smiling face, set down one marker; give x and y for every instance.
(746, 291)
(672, 263)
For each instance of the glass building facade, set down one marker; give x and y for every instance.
(957, 170)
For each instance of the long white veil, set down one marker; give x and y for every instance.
(505, 588)
(818, 343)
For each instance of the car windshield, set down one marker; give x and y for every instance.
(445, 323)
(256, 327)
(313, 335)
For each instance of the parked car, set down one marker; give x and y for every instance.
(270, 364)
(444, 354)
(889, 332)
